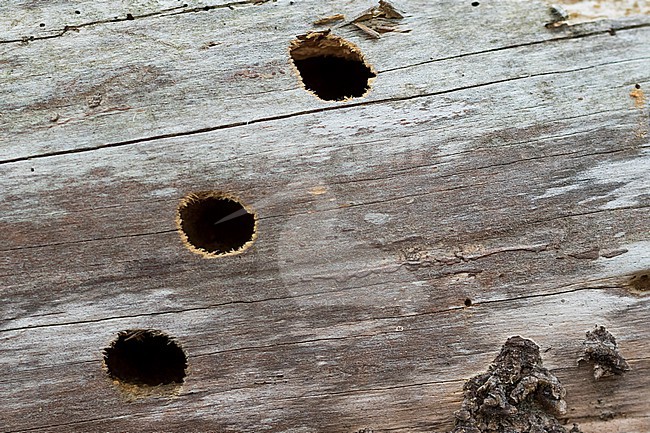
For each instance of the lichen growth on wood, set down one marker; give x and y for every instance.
(517, 394)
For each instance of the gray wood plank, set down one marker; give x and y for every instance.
(494, 160)
(371, 376)
(32, 20)
(150, 81)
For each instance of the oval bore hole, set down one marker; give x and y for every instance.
(331, 67)
(145, 357)
(468, 302)
(215, 224)
(641, 282)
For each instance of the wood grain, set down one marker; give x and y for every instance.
(494, 160)
(153, 83)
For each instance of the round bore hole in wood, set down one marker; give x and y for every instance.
(468, 302)
(215, 224)
(331, 67)
(145, 357)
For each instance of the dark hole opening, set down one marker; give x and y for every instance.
(334, 78)
(331, 67)
(145, 357)
(475, 4)
(637, 86)
(641, 282)
(216, 224)
(468, 302)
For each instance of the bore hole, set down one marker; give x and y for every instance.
(468, 302)
(215, 224)
(42, 24)
(129, 17)
(31, 169)
(637, 86)
(331, 67)
(475, 4)
(77, 12)
(641, 282)
(145, 357)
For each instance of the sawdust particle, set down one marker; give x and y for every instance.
(639, 97)
(318, 190)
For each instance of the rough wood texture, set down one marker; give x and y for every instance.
(494, 159)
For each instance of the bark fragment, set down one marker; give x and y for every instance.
(601, 349)
(517, 394)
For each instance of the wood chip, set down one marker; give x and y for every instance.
(367, 30)
(329, 20)
(378, 19)
(389, 10)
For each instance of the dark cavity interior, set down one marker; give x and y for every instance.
(217, 225)
(142, 357)
(641, 282)
(334, 78)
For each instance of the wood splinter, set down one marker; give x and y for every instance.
(329, 20)
(374, 21)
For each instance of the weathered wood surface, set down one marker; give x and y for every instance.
(153, 82)
(494, 159)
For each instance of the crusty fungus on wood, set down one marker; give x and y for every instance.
(601, 349)
(517, 394)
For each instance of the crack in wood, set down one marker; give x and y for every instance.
(584, 287)
(314, 111)
(525, 44)
(178, 10)
(81, 241)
